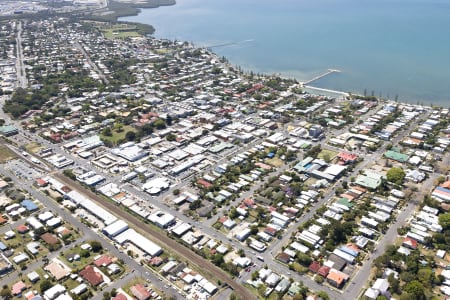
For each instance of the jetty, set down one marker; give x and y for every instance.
(313, 88)
(329, 72)
(228, 44)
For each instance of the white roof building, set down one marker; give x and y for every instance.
(181, 229)
(139, 241)
(33, 222)
(156, 185)
(115, 228)
(161, 219)
(53, 292)
(130, 151)
(45, 216)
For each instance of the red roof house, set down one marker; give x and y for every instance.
(140, 292)
(41, 182)
(204, 183)
(323, 271)
(314, 266)
(22, 228)
(120, 297)
(18, 287)
(90, 275)
(103, 261)
(347, 158)
(410, 243)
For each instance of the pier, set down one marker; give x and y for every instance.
(229, 44)
(329, 72)
(313, 89)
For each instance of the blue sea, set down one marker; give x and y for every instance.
(387, 48)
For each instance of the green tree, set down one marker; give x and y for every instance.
(6, 292)
(323, 295)
(195, 205)
(233, 213)
(85, 253)
(171, 137)
(304, 259)
(217, 259)
(147, 129)
(255, 275)
(96, 246)
(159, 124)
(107, 131)
(118, 127)
(425, 276)
(406, 296)
(45, 285)
(444, 221)
(416, 289)
(69, 173)
(441, 179)
(106, 296)
(169, 120)
(130, 135)
(395, 175)
(234, 296)
(319, 279)
(394, 283)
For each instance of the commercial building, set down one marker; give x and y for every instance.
(139, 241)
(115, 228)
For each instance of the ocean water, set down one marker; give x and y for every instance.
(386, 47)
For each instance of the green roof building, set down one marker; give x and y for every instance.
(397, 156)
(8, 130)
(370, 180)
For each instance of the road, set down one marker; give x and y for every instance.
(20, 66)
(361, 277)
(93, 65)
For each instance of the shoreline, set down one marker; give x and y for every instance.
(151, 4)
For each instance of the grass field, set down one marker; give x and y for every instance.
(114, 34)
(33, 147)
(275, 162)
(6, 154)
(117, 136)
(119, 31)
(327, 154)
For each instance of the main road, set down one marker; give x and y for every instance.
(20, 67)
(161, 238)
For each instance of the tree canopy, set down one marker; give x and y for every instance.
(395, 175)
(444, 221)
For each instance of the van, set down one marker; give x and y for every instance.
(260, 258)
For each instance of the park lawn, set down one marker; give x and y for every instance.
(6, 154)
(120, 31)
(117, 136)
(33, 147)
(324, 153)
(118, 34)
(162, 51)
(275, 162)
